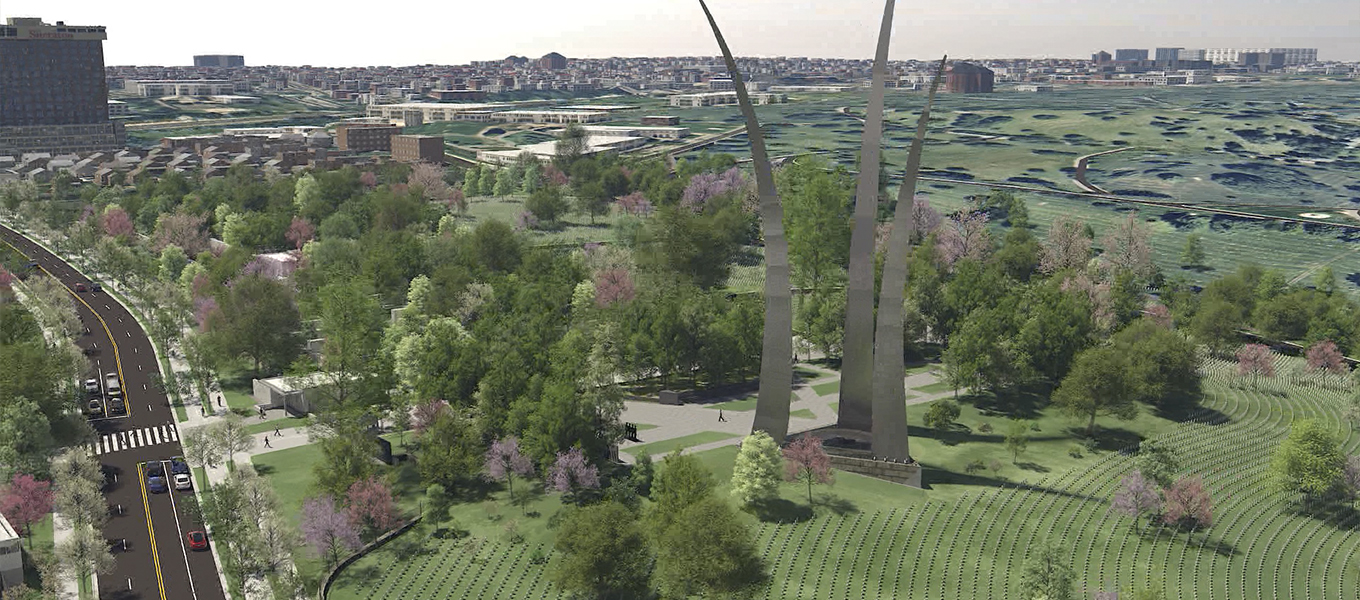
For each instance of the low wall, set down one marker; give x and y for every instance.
(374, 545)
(908, 474)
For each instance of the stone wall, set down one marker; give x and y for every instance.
(908, 474)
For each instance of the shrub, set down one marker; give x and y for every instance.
(941, 413)
(1075, 451)
(975, 466)
(985, 427)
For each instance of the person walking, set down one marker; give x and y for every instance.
(266, 442)
(721, 418)
(276, 432)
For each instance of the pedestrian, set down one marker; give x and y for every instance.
(261, 412)
(276, 432)
(266, 442)
(219, 401)
(721, 418)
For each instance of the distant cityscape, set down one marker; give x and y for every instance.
(80, 106)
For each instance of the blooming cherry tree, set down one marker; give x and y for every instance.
(25, 501)
(371, 506)
(328, 529)
(1188, 502)
(806, 460)
(504, 461)
(571, 473)
(1255, 360)
(1136, 496)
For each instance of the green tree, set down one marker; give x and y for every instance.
(1162, 365)
(680, 482)
(351, 323)
(1215, 324)
(571, 145)
(708, 552)
(604, 553)
(941, 414)
(756, 474)
(486, 184)
(1157, 462)
(547, 204)
(257, 319)
(1017, 439)
(449, 452)
(1193, 253)
(592, 200)
(347, 454)
(1098, 384)
(172, 261)
(506, 182)
(1048, 575)
(821, 320)
(699, 247)
(1309, 460)
(816, 221)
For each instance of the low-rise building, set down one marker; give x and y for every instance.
(431, 112)
(724, 98)
(548, 150)
(365, 137)
(118, 108)
(11, 556)
(418, 148)
(297, 395)
(656, 133)
(157, 88)
(550, 116)
(1034, 87)
(660, 121)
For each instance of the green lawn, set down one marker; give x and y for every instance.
(290, 471)
(664, 447)
(239, 400)
(644, 426)
(802, 413)
(934, 388)
(828, 388)
(256, 427)
(743, 404)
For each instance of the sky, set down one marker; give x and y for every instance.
(412, 32)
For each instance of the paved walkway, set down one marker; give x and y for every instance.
(688, 419)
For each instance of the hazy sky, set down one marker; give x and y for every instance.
(353, 33)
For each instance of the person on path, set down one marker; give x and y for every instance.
(721, 418)
(261, 408)
(266, 442)
(276, 432)
(219, 401)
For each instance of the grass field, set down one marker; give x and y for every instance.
(742, 404)
(665, 447)
(871, 539)
(828, 388)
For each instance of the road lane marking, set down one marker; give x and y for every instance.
(185, 551)
(156, 433)
(151, 530)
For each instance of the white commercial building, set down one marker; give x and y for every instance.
(11, 555)
(431, 111)
(118, 108)
(1292, 56)
(548, 150)
(723, 98)
(1034, 87)
(550, 116)
(811, 88)
(656, 133)
(156, 88)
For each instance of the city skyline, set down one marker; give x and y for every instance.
(292, 35)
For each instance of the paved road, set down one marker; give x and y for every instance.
(156, 563)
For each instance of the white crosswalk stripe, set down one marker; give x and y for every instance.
(126, 440)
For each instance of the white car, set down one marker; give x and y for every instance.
(183, 482)
(92, 386)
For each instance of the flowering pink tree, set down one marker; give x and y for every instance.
(963, 236)
(369, 179)
(525, 220)
(1324, 356)
(1098, 294)
(706, 186)
(456, 200)
(327, 529)
(116, 223)
(1159, 314)
(25, 501)
(504, 461)
(571, 473)
(372, 509)
(554, 176)
(1136, 496)
(204, 309)
(1067, 246)
(184, 230)
(1255, 360)
(635, 204)
(1188, 503)
(613, 285)
(6, 278)
(300, 231)
(806, 460)
(424, 414)
(1127, 247)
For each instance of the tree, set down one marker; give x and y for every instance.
(1047, 575)
(1017, 439)
(1098, 384)
(604, 553)
(1193, 253)
(371, 507)
(1188, 504)
(85, 553)
(571, 145)
(506, 182)
(1324, 356)
(806, 461)
(547, 204)
(613, 285)
(1350, 477)
(571, 473)
(635, 204)
(1308, 461)
(1255, 360)
(450, 451)
(230, 436)
(964, 236)
(755, 476)
(1135, 497)
(199, 447)
(1127, 247)
(504, 462)
(592, 200)
(1157, 462)
(941, 414)
(181, 229)
(300, 231)
(1067, 246)
(26, 501)
(708, 552)
(117, 224)
(346, 457)
(680, 482)
(327, 529)
(257, 318)
(1215, 324)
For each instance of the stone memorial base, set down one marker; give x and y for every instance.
(849, 451)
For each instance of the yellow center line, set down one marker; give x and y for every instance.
(117, 360)
(151, 530)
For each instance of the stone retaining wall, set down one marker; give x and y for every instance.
(908, 474)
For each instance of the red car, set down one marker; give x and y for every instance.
(80, 287)
(198, 540)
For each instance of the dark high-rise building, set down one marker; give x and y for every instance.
(53, 97)
(1101, 57)
(552, 61)
(968, 78)
(1166, 55)
(1131, 54)
(219, 60)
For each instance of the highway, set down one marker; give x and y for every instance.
(156, 563)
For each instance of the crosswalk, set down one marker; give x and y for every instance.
(136, 438)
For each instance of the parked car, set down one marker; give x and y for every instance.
(198, 540)
(157, 485)
(183, 481)
(111, 382)
(116, 405)
(178, 465)
(95, 409)
(95, 287)
(92, 386)
(154, 468)
(80, 287)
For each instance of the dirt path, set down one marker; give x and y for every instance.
(1079, 177)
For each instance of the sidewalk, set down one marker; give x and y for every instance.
(70, 586)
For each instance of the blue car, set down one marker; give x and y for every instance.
(157, 485)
